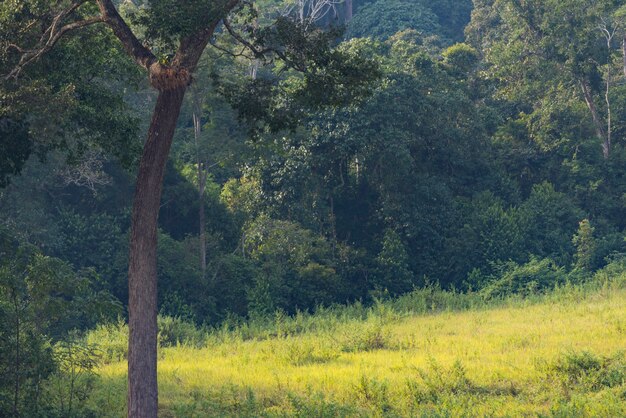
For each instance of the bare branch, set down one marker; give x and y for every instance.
(308, 12)
(231, 53)
(88, 173)
(49, 39)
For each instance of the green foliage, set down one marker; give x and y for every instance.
(319, 74)
(175, 331)
(587, 371)
(15, 148)
(534, 276)
(41, 300)
(71, 99)
(373, 394)
(296, 267)
(461, 58)
(493, 232)
(585, 245)
(454, 167)
(91, 241)
(66, 392)
(547, 218)
(393, 265)
(372, 336)
(167, 21)
(383, 18)
(313, 352)
(111, 339)
(437, 382)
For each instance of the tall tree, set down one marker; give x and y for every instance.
(175, 34)
(540, 50)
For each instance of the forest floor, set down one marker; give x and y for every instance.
(562, 356)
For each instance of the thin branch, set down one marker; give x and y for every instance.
(261, 53)
(258, 53)
(230, 53)
(54, 34)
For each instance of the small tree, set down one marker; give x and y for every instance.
(585, 245)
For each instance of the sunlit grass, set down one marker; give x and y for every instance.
(498, 362)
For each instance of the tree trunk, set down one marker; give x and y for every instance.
(142, 270)
(202, 177)
(597, 120)
(348, 10)
(16, 394)
(624, 54)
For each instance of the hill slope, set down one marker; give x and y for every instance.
(563, 356)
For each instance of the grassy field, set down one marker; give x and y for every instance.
(557, 355)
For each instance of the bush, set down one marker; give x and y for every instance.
(587, 371)
(614, 272)
(176, 331)
(374, 394)
(42, 299)
(373, 336)
(301, 353)
(437, 381)
(526, 279)
(295, 268)
(111, 339)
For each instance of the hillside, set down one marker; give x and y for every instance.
(562, 356)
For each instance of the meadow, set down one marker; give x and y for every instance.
(430, 353)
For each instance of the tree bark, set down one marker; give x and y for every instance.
(142, 270)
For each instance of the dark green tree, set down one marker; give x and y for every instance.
(393, 274)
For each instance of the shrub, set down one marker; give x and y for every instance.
(174, 331)
(301, 353)
(587, 371)
(532, 277)
(373, 393)
(111, 339)
(373, 336)
(585, 245)
(614, 272)
(392, 272)
(437, 381)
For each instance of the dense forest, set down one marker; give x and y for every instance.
(471, 146)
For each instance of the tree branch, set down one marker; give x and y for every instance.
(192, 47)
(231, 53)
(258, 53)
(142, 55)
(50, 37)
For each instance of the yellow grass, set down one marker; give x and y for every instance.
(493, 362)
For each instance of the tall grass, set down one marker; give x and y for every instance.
(429, 353)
